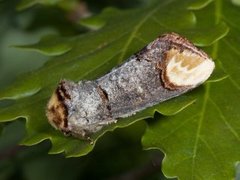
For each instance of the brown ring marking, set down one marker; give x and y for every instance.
(61, 99)
(182, 43)
(63, 90)
(162, 67)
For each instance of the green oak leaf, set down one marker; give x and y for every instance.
(50, 45)
(203, 141)
(24, 4)
(28, 3)
(91, 55)
(236, 2)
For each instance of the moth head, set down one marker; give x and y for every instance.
(185, 65)
(57, 112)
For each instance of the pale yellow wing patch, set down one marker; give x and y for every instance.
(187, 68)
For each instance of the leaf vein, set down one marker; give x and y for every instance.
(214, 156)
(225, 120)
(178, 127)
(206, 96)
(135, 30)
(158, 22)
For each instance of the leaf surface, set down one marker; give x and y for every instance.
(203, 141)
(29, 3)
(93, 54)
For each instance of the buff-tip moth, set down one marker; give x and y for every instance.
(167, 67)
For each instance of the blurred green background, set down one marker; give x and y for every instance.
(118, 155)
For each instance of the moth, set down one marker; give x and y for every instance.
(167, 67)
